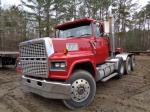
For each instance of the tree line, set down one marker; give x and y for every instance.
(37, 18)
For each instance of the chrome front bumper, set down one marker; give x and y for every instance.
(47, 89)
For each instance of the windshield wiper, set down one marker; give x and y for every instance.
(70, 36)
(85, 34)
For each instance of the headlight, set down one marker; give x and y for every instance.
(59, 65)
(62, 65)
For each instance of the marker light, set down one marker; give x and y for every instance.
(65, 51)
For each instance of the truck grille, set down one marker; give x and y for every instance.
(33, 50)
(36, 68)
(33, 60)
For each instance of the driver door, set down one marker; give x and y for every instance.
(101, 44)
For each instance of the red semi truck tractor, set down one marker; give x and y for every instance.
(68, 66)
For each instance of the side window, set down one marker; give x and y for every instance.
(101, 30)
(98, 30)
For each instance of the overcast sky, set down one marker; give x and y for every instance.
(16, 2)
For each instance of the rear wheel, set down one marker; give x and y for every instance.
(121, 67)
(83, 89)
(133, 62)
(128, 65)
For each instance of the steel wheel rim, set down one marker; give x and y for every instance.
(80, 90)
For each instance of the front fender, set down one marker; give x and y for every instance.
(78, 62)
(72, 59)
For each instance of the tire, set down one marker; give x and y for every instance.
(133, 62)
(83, 89)
(121, 68)
(128, 65)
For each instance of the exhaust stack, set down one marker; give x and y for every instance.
(109, 28)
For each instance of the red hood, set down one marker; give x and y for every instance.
(61, 43)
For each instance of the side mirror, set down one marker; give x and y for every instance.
(97, 24)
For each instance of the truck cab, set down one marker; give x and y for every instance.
(66, 67)
(87, 30)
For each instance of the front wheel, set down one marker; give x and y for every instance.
(83, 89)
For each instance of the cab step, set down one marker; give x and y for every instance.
(110, 76)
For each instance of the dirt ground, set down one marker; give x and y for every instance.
(129, 94)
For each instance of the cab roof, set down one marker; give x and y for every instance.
(72, 22)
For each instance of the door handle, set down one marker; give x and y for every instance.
(93, 44)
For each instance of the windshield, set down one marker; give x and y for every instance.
(80, 29)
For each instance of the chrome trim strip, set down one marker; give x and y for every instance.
(49, 46)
